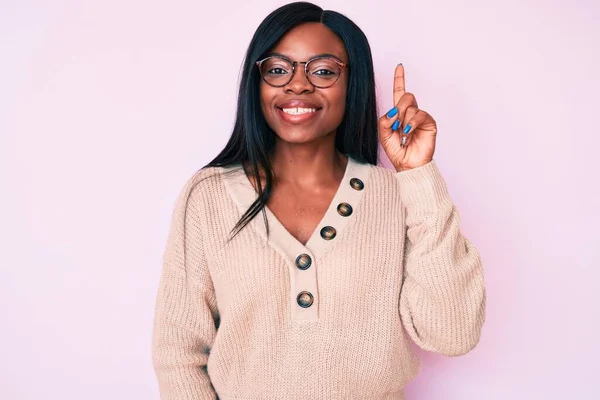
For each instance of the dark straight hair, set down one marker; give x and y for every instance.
(253, 140)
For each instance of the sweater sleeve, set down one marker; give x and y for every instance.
(185, 320)
(443, 298)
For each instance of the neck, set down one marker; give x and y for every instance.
(308, 164)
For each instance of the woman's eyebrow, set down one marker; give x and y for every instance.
(314, 56)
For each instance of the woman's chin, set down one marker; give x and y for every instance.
(297, 136)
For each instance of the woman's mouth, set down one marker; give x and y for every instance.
(298, 110)
(296, 115)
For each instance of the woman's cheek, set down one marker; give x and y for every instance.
(265, 102)
(340, 107)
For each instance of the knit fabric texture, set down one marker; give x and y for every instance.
(266, 317)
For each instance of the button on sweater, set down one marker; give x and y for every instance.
(266, 317)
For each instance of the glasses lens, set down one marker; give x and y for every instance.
(323, 72)
(276, 71)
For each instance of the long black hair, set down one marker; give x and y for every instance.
(253, 140)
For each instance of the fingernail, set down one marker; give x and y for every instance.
(395, 125)
(392, 112)
(407, 128)
(399, 63)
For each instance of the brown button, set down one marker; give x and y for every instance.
(303, 261)
(328, 232)
(357, 184)
(305, 299)
(344, 209)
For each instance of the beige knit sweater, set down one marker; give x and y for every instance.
(275, 319)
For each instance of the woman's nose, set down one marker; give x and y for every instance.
(299, 83)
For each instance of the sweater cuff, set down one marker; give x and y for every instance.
(423, 189)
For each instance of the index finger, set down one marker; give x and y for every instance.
(399, 85)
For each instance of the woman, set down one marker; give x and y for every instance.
(317, 299)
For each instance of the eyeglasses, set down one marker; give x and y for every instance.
(321, 71)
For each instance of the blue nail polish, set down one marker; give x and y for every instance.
(392, 112)
(407, 128)
(395, 125)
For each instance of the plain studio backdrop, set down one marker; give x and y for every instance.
(108, 107)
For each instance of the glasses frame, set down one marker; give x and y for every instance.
(294, 63)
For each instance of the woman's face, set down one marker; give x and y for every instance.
(300, 44)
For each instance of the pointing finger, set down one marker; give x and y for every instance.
(399, 84)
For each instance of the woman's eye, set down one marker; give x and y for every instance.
(323, 72)
(277, 71)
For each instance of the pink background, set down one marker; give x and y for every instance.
(107, 107)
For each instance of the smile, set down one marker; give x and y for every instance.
(298, 115)
(298, 110)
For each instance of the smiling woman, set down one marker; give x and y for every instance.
(352, 261)
(305, 104)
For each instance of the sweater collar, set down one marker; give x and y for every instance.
(330, 229)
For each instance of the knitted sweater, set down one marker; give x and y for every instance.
(275, 319)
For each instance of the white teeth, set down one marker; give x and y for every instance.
(298, 110)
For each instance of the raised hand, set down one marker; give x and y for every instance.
(407, 134)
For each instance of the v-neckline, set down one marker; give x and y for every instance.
(318, 227)
(349, 192)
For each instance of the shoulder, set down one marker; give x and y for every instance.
(378, 181)
(425, 173)
(202, 186)
(380, 176)
(382, 173)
